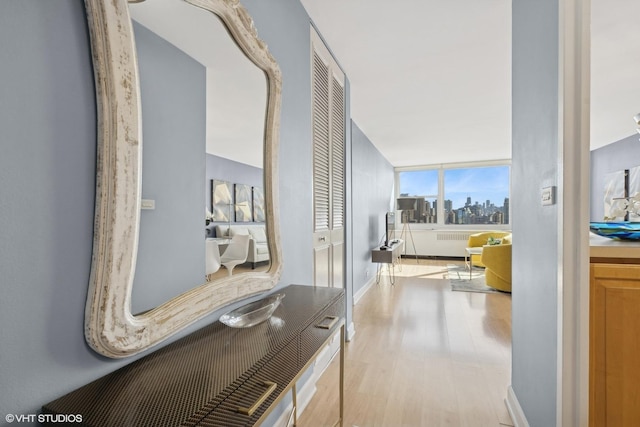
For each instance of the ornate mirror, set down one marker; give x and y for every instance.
(111, 327)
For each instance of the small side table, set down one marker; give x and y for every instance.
(469, 252)
(390, 256)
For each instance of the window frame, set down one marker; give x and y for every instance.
(441, 168)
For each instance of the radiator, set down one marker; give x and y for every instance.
(437, 243)
(464, 236)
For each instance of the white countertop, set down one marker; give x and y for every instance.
(602, 247)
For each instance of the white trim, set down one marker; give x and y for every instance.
(363, 290)
(325, 357)
(515, 410)
(305, 395)
(478, 228)
(572, 365)
(457, 165)
(351, 331)
(442, 168)
(307, 391)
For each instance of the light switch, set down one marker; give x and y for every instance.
(148, 204)
(548, 196)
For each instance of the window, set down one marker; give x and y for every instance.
(471, 195)
(418, 199)
(477, 195)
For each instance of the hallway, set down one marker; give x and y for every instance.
(422, 355)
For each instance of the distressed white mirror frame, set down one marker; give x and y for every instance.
(110, 327)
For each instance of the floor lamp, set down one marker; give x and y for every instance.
(406, 205)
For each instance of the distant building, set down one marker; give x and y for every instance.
(505, 210)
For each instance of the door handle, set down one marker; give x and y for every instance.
(327, 322)
(249, 411)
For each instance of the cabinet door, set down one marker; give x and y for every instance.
(615, 345)
(329, 136)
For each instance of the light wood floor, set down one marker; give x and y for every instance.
(422, 355)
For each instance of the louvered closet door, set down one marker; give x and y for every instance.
(328, 111)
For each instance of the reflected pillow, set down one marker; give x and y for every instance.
(258, 234)
(240, 231)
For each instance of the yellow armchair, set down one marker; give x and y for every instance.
(497, 260)
(480, 239)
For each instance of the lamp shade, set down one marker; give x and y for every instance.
(407, 203)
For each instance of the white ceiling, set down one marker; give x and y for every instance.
(431, 79)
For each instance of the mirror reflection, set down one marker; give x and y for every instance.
(203, 121)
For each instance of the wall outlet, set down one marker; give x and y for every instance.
(548, 196)
(147, 204)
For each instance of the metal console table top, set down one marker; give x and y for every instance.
(217, 375)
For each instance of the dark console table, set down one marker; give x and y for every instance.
(217, 376)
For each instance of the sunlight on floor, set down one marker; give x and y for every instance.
(422, 355)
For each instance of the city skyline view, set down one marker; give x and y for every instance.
(477, 195)
(481, 184)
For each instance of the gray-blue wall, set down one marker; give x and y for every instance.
(372, 185)
(534, 166)
(47, 188)
(620, 155)
(171, 247)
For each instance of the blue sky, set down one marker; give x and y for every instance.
(480, 184)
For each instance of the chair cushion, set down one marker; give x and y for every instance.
(480, 239)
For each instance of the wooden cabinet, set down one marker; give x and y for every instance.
(614, 377)
(216, 376)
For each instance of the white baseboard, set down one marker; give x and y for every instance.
(306, 392)
(363, 290)
(515, 410)
(326, 356)
(351, 331)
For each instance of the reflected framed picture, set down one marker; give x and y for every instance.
(221, 200)
(258, 204)
(243, 203)
(614, 192)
